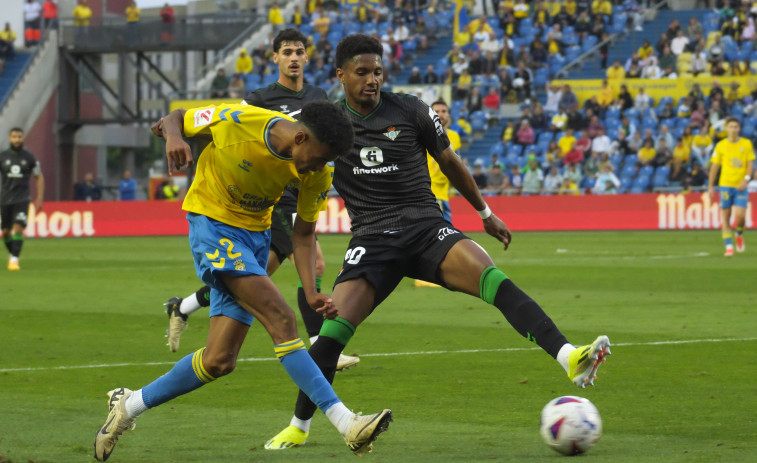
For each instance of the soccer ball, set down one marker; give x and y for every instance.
(571, 425)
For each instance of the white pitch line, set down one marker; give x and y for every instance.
(390, 354)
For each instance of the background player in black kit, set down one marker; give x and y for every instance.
(398, 229)
(16, 168)
(288, 95)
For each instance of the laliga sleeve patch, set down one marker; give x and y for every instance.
(437, 123)
(204, 116)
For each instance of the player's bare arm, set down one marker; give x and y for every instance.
(452, 166)
(171, 127)
(745, 181)
(40, 192)
(304, 245)
(714, 169)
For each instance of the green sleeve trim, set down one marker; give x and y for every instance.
(488, 286)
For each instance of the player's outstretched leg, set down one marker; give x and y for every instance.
(116, 423)
(585, 360)
(363, 430)
(313, 323)
(177, 322)
(179, 309)
(358, 431)
(346, 362)
(528, 318)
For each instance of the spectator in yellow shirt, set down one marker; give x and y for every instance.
(244, 63)
(616, 71)
(276, 18)
(132, 22)
(570, 7)
(82, 14)
(7, 37)
(681, 157)
(321, 21)
(701, 145)
(646, 153)
(606, 95)
(645, 50)
(566, 142)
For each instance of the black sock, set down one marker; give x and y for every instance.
(203, 296)
(313, 320)
(525, 315)
(15, 247)
(325, 353)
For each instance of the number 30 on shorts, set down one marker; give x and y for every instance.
(353, 255)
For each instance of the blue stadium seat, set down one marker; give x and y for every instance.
(648, 123)
(625, 184)
(514, 150)
(477, 115)
(498, 149)
(747, 131)
(589, 42)
(616, 160)
(545, 137)
(540, 77)
(660, 178)
(353, 28)
(632, 113)
(669, 123)
(572, 53)
(646, 171)
(641, 181)
(631, 159)
(612, 123)
(664, 100)
(629, 170)
(478, 125)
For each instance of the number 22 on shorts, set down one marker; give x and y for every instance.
(225, 242)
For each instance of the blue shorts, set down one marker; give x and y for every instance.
(730, 196)
(446, 210)
(220, 248)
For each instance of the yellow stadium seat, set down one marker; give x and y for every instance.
(684, 58)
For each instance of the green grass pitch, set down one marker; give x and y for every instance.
(85, 315)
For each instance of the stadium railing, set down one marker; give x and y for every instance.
(196, 32)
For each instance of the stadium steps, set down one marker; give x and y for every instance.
(622, 49)
(12, 72)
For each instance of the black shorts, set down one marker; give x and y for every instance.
(14, 213)
(281, 233)
(384, 259)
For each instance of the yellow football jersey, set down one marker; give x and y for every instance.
(733, 159)
(240, 176)
(439, 181)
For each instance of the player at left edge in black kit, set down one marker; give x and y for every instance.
(17, 166)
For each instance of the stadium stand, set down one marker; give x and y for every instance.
(11, 73)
